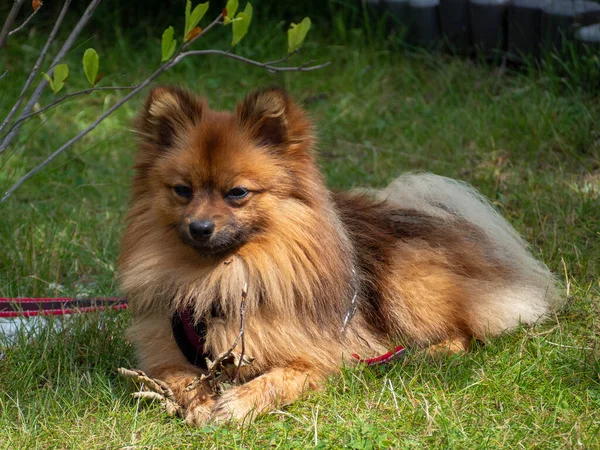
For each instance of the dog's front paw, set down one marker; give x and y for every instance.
(232, 406)
(198, 412)
(276, 388)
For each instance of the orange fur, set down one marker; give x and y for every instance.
(423, 278)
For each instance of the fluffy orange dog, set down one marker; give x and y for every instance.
(223, 199)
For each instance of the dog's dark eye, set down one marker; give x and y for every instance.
(237, 193)
(183, 191)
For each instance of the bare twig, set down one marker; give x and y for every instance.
(240, 335)
(152, 389)
(284, 59)
(67, 96)
(225, 369)
(12, 15)
(34, 71)
(24, 24)
(59, 57)
(242, 308)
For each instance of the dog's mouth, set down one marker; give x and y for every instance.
(220, 245)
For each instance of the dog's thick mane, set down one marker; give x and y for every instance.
(300, 267)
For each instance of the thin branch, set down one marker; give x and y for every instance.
(34, 71)
(302, 68)
(59, 57)
(152, 389)
(12, 15)
(242, 335)
(284, 59)
(135, 89)
(24, 24)
(67, 96)
(221, 361)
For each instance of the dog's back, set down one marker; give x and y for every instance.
(441, 264)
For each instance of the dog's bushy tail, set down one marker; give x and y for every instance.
(532, 294)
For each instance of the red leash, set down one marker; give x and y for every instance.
(28, 307)
(398, 352)
(47, 306)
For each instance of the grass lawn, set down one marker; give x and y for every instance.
(528, 141)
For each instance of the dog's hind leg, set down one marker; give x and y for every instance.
(451, 346)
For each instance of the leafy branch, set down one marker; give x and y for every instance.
(44, 81)
(171, 55)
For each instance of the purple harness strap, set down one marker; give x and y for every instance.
(190, 337)
(194, 338)
(197, 341)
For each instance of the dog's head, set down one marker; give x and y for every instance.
(216, 178)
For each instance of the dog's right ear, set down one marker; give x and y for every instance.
(167, 113)
(274, 120)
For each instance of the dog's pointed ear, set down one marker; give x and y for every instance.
(167, 113)
(273, 119)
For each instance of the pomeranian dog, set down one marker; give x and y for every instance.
(231, 216)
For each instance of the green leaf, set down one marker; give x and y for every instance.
(50, 81)
(61, 72)
(297, 33)
(198, 14)
(231, 8)
(168, 44)
(194, 17)
(90, 65)
(188, 13)
(241, 24)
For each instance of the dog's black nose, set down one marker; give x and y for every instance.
(202, 229)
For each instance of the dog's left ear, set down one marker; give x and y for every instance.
(167, 113)
(273, 119)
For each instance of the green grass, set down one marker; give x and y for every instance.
(529, 143)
